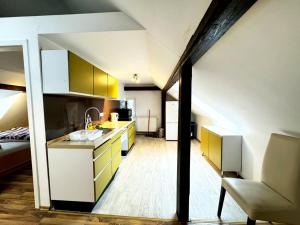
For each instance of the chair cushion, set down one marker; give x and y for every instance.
(260, 202)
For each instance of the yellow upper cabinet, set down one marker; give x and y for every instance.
(81, 75)
(112, 87)
(100, 82)
(66, 73)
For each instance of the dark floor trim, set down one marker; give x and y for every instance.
(142, 88)
(12, 87)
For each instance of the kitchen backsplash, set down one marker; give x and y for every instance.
(64, 114)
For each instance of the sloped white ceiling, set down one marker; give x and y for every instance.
(152, 53)
(169, 25)
(120, 53)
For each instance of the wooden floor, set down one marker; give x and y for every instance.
(145, 185)
(17, 208)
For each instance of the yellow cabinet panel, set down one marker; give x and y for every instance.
(215, 149)
(100, 82)
(116, 161)
(204, 141)
(102, 148)
(81, 75)
(102, 181)
(102, 161)
(112, 87)
(116, 148)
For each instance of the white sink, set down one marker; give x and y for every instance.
(85, 135)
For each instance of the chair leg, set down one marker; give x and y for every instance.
(250, 221)
(221, 201)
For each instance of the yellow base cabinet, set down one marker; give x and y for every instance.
(223, 148)
(79, 176)
(131, 134)
(102, 180)
(215, 149)
(204, 141)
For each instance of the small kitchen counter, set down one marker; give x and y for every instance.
(80, 171)
(64, 141)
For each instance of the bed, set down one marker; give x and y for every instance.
(14, 149)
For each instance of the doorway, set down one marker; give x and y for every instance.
(16, 175)
(20, 87)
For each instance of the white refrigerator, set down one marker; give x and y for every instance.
(171, 120)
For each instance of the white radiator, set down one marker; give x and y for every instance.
(142, 124)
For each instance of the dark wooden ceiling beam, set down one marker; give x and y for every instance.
(219, 17)
(12, 87)
(142, 88)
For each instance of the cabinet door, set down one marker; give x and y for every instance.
(215, 149)
(100, 82)
(112, 87)
(116, 148)
(81, 77)
(204, 141)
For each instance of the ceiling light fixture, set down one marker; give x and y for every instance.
(135, 78)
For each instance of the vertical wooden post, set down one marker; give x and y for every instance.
(163, 109)
(184, 142)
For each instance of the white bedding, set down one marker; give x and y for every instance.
(9, 147)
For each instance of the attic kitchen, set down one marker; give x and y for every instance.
(85, 139)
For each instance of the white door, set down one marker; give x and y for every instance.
(172, 111)
(171, 131)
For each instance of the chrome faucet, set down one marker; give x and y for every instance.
(87, 117)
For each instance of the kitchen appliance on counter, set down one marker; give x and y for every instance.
(125, 114)
(114, 117)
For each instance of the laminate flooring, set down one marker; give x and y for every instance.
(145, 185)
(17, 208)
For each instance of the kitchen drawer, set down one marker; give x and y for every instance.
(102, 160)
(102, 181)
(116, 163)
(101, 148)
(116, 147)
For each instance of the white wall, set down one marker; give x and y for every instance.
(145, 101)
(249, 80)
(13, 110)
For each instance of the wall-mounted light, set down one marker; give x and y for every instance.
(135, 78)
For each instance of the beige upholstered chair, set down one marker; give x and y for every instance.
(277, 197)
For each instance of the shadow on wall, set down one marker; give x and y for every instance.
(291, 133)
(247, 160)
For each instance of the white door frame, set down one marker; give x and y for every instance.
(24, 44)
